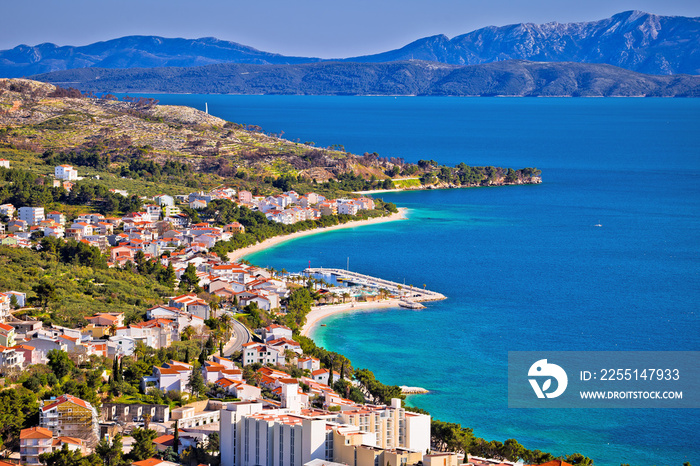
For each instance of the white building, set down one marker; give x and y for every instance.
(364, 435)
(263, 354)
(275, 331)
(251, 436)
(164, 200)
(66, 172)
(31, 215)
(171, 376)
(4, 163)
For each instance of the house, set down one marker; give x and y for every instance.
(154, 462)
(119, 346)
(43, 345)
(5, 300)
(29, 354)
(322, 375)
(10, 360)
(328, 208)
(441, 459)
(164, 200)
(65, 172)
(7, 335)
(234, 227)
(33, 442)
(245, 197)
(121, 192)
(79, 230)
(72, 443)
(7, 210)
(309, 363)
(211, 371)
(286, 344)
(185, 441)
(106, 319)
(122, 254)
(19, 296)
(347, 207)
(16, 226)
(263, 354)
(4, 163)
(154, 211)
(171, 211)
(69, 415)
(57, 217)
(198, 204)
(264, 302)
(275, 331)
(192, 304)
(174, 375)
(239, 389)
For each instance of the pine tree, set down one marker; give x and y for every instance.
(196, 383)
(189, 280)
(167, 276)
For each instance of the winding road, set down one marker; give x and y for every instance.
(240, 336)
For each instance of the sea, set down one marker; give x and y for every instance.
(603, 255)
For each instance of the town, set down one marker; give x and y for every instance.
(233, 381)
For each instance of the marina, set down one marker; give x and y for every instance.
(410, 296)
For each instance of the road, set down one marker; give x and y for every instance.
(240, 335)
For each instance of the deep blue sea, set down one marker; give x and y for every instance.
(524, 267)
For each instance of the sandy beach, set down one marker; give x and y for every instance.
(240, 253)
(318, 313)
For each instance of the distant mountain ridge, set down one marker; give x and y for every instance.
(633, 40)
(134, 52)
(506, 78)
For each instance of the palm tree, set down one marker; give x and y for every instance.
(226, 324)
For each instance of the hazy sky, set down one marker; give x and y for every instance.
(320, 28)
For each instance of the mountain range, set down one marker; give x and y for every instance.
(505, 78)
(632, 40)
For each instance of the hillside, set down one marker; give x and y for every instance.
(146, 149)
(509, 78)
(632, 40)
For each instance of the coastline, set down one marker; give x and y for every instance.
(238, 254)
(318, 313)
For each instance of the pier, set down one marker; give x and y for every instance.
(408, 293)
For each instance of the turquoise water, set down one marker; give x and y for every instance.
(524, 267)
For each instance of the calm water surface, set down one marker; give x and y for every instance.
(524, 267)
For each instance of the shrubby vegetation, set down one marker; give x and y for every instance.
(65, 290)
(23, 188)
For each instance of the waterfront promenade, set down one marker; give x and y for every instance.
(405, 292)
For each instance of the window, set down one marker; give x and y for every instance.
(291, 447)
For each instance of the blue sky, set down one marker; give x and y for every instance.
(321, 28)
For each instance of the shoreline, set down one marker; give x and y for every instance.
(239, 254)
(319, 313)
